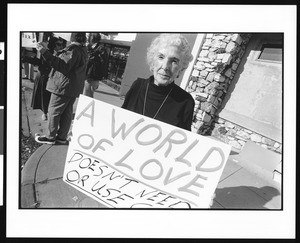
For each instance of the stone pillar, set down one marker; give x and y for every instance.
(212, 74)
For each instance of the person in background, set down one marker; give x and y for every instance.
(105, 57)
(158, 96)
(28, 52)
(94, 70)
(41, 96)
(66, 81)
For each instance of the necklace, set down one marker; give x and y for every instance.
(146, 93)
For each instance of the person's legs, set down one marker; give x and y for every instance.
(60, 114)
(45, 98)
(44, 93)
(26, 70)
(57, 106)
(66, 120)
(31, 72)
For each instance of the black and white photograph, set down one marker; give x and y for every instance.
(144, 123)
(226, 66)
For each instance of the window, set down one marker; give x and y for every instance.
(271, 52)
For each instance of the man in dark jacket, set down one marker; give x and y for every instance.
(66, 81)
(94, 65)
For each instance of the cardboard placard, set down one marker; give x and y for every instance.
(29, 40)
(126, 160)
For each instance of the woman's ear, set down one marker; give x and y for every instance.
(151, 68)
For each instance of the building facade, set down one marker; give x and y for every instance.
(236, 81)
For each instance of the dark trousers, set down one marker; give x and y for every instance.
(60, 114)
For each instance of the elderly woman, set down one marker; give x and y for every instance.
(158, 96)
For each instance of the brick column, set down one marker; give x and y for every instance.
(212, 74)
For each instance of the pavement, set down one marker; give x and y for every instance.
(247, 182)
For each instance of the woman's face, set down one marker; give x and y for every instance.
(167, 65)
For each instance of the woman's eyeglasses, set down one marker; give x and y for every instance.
(58, 44)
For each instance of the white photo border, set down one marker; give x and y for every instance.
(150, 223)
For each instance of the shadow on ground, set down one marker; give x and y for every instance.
(235, 197)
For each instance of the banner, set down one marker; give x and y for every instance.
(126, 160)
(29, 40)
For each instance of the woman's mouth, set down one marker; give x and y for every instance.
(164, 75)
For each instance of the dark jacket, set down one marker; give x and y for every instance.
(95, 61)
(40, 96)
(43, 67)
(68, 71)
(177, 110)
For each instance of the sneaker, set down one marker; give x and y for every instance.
(44, 139)
(61, 141)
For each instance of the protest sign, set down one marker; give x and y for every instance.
(29, 40)
(126, 160)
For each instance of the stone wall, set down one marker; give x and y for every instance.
(212, 74)
(237, 136)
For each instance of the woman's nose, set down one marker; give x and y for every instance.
(165, 64)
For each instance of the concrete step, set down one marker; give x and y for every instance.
(260, 161)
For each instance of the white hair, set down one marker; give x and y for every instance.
(177, 40)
